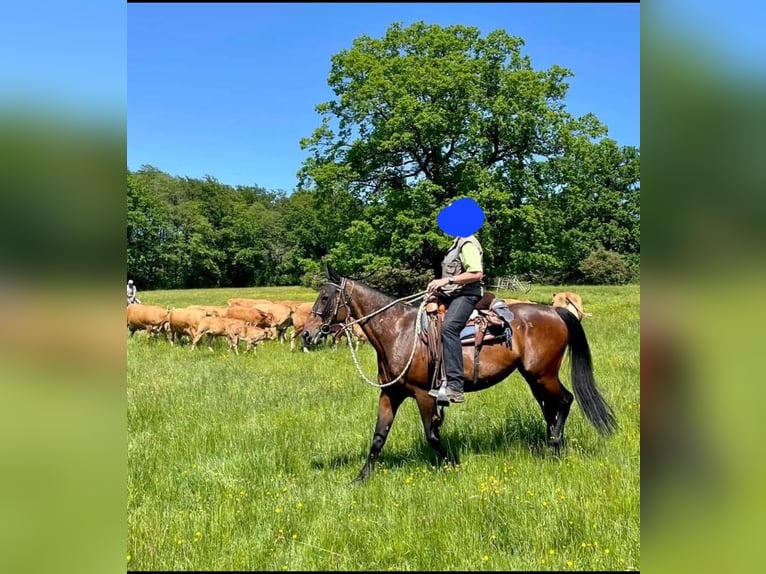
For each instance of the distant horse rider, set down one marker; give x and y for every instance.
(132, 293)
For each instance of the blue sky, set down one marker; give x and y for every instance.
(65, 56)
(228, 90)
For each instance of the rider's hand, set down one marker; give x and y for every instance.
(436, 284)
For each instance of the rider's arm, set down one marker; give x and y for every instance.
(472, 267)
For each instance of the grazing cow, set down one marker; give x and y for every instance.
(248, 333)
(301, 314)
(214, 327)
(571, 301)
(184, 322)
(281, 317)
(254, 316)
(153, 318)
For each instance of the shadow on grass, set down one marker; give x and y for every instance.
(519, 432)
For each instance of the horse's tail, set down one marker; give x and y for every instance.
(596, 410)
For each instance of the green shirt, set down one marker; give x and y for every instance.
(470, 258)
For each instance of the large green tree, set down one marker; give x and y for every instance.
(427, 114)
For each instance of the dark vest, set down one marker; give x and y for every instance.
(452, 266)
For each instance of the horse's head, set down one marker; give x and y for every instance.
(330, 308)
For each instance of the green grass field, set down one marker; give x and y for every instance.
(245, 463)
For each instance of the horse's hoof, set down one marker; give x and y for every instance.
(556, 447)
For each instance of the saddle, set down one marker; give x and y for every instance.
(489, 323)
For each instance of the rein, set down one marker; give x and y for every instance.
(348, 324)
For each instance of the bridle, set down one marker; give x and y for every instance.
(341, 298)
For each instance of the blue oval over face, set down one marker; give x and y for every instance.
(461, 218)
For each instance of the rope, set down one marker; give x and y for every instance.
(414, 297)
(347, 329)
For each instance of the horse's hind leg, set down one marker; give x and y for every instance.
(555, 401)
(388, 404)
(556, 427)
(432, 424)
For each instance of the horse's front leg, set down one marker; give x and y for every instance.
(388, 404)
(432, 422)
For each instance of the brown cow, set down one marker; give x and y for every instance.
(184, 322)
(214, 327)
(254, 316)
(571, 301)
(281, 317)
(248, 333)
(301, 314)
(153, 318)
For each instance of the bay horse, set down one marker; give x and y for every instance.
(541, 335)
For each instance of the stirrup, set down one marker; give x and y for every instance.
(442, 400)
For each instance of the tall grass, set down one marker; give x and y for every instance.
(245, 463)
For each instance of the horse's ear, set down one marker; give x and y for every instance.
(332, 275)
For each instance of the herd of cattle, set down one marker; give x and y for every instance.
(248, 320)
(256, 320)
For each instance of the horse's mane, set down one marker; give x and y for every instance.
(377, 297)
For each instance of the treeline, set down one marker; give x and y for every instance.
(197, 233)
(185, 233)
(422, 116)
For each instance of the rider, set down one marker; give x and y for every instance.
(132, 292)
(461, 284)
